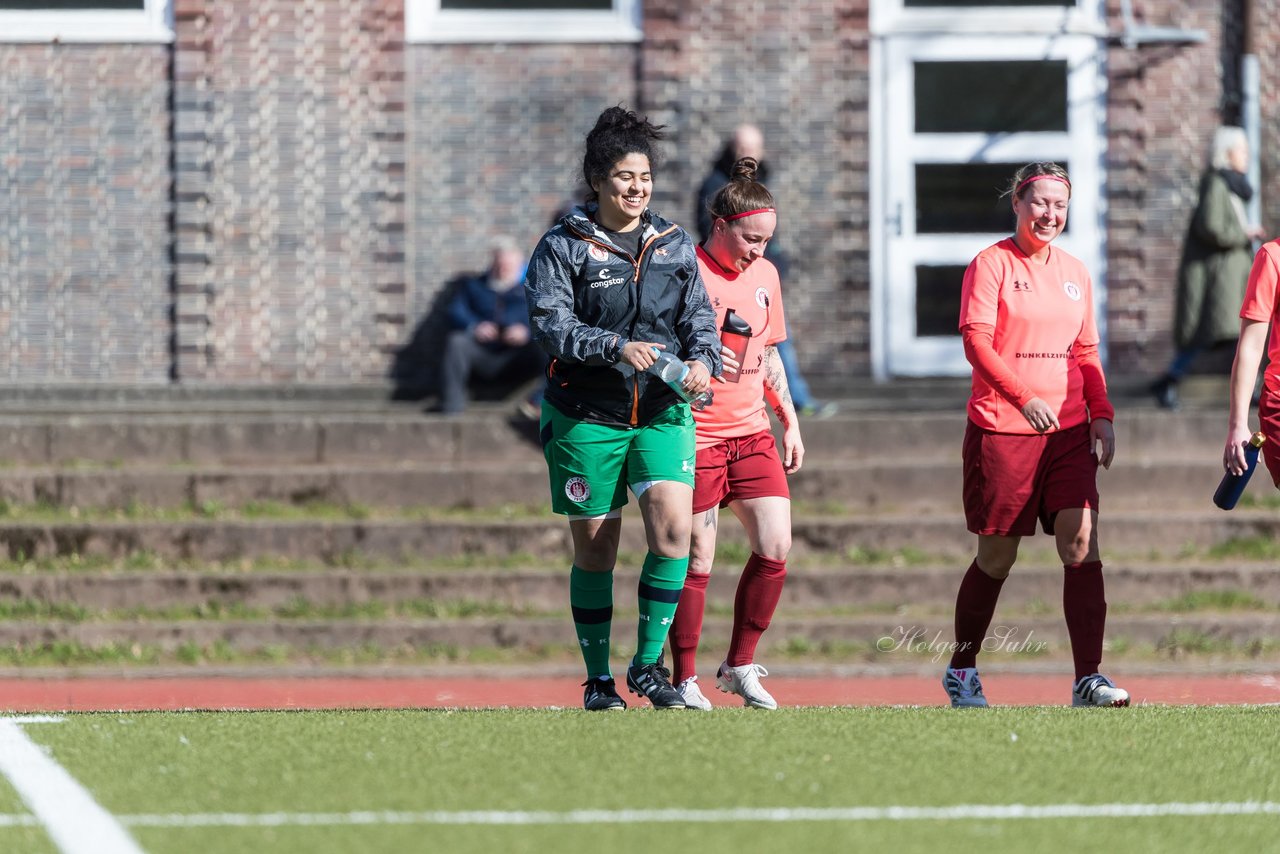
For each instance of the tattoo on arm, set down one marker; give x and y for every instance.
(775, 381)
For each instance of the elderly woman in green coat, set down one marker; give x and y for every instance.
(1216, 257)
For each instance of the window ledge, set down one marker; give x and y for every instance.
(106, 26)
(426, 23)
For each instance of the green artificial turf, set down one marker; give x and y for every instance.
(409, 762)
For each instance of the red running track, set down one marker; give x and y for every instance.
(164, 694)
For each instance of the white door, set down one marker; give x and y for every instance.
(956, 113)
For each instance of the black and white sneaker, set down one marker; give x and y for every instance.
(1097, 690)
(964, 688)
(601, 695)
(654, 682)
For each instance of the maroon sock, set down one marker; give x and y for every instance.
(1084, 604)
(686, 628)
(759, 590)
(975, 605)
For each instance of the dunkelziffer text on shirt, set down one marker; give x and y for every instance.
(1067, 355)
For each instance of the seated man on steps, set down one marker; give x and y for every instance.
(489, 337)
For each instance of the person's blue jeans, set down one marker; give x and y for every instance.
(1182, 361)
(795, 380)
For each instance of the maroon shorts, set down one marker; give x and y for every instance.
(747, 467)
(1010, 479)
(1269, 418)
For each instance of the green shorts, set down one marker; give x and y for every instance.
(591, 465)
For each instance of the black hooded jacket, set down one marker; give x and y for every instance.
(587, 298)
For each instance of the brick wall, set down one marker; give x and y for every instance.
(1265, 34)
(289, 128)
(496, 140)
(799, 71)
(84, 214)
(283, 194)
(1165, 102)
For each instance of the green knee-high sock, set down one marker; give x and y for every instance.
(661, 581)
(591, 597)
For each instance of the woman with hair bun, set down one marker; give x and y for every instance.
(1038, 411)
(610, 287)
(738, 458)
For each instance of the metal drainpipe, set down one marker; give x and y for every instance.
(1250, 113)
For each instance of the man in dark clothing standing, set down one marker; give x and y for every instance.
(490, 329)
(747, 141)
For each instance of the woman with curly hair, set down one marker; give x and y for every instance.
(610, 287)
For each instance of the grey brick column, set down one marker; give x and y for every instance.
(289, 122)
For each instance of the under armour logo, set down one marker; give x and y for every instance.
(666, 620)
(584, 641)
(684, 465)
(1021, 286)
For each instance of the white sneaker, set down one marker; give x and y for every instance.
(693, 696)
(964, 688)
(745, 682)
(1098, 690)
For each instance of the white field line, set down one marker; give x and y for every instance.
(18, 821)
(75, 822)
(959, 812)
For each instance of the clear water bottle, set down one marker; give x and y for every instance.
(672, 371)
(1232, 485)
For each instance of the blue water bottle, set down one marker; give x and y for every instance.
(1232, 486)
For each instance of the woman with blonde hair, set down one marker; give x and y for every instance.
(1038, 416)
(1216, 255)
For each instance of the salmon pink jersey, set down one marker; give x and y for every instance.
(1041, 325)
(755, 295)
(1260, 304)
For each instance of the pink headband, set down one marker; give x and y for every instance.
(1027, 181)
(748, 213)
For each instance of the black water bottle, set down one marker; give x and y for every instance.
(1232, 485)
(735, 334)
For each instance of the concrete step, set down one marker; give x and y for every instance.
(858, 394)
(1131, 484)
(373, 484)
(1130, 586)
(855, 486)
(259, 439)
(814, 538)
(396, 435)
(1140, 434)
(877, 638)
(275, 397)
(1151, 535)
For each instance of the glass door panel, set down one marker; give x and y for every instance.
(1015, 96)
